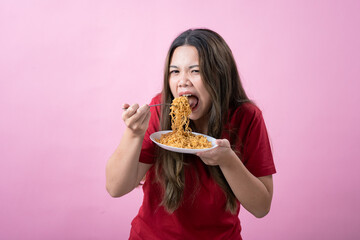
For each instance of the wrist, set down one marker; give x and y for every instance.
(230, 159)
(134, 134)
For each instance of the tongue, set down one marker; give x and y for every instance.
(193, 101)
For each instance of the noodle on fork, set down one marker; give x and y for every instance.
(181, 135)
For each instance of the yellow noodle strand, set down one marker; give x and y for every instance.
(181, 135)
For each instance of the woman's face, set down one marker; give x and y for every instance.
(185, 78)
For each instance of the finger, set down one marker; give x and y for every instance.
(147, 117)
(130, 111)
(125, 106)
(222, 142)
(208, 161)
(205, 154)
(139, 114)
(144, 113)
(143, 108)
(200, 155)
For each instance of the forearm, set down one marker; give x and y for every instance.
(248, 189)
(122, 167)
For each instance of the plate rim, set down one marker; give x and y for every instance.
(182, 150)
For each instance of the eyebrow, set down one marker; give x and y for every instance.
(192, 66)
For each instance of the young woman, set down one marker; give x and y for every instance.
(196, 196)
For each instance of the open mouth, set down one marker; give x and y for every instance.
(193, 100)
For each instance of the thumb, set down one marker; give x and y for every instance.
(223, 143)
(125, 106)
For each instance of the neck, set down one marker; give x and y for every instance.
(201, 125)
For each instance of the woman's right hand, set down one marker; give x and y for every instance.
(136, 118)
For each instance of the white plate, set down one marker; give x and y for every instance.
(156, 135)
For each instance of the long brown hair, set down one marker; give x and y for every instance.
(221, 78)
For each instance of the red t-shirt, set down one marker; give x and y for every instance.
(202, 213)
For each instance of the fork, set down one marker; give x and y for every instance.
(159, 104)
(154, 105)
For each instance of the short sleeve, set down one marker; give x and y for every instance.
(257, 155)
(147, 154)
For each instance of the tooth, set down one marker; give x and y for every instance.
(187, 95)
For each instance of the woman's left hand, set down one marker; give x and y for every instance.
(218, 155)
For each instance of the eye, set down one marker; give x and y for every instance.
(195, 71)
(174, 71)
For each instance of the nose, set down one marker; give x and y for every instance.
(184, 80)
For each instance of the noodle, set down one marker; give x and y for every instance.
(181, 135)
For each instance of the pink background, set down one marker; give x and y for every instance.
(67, 66)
